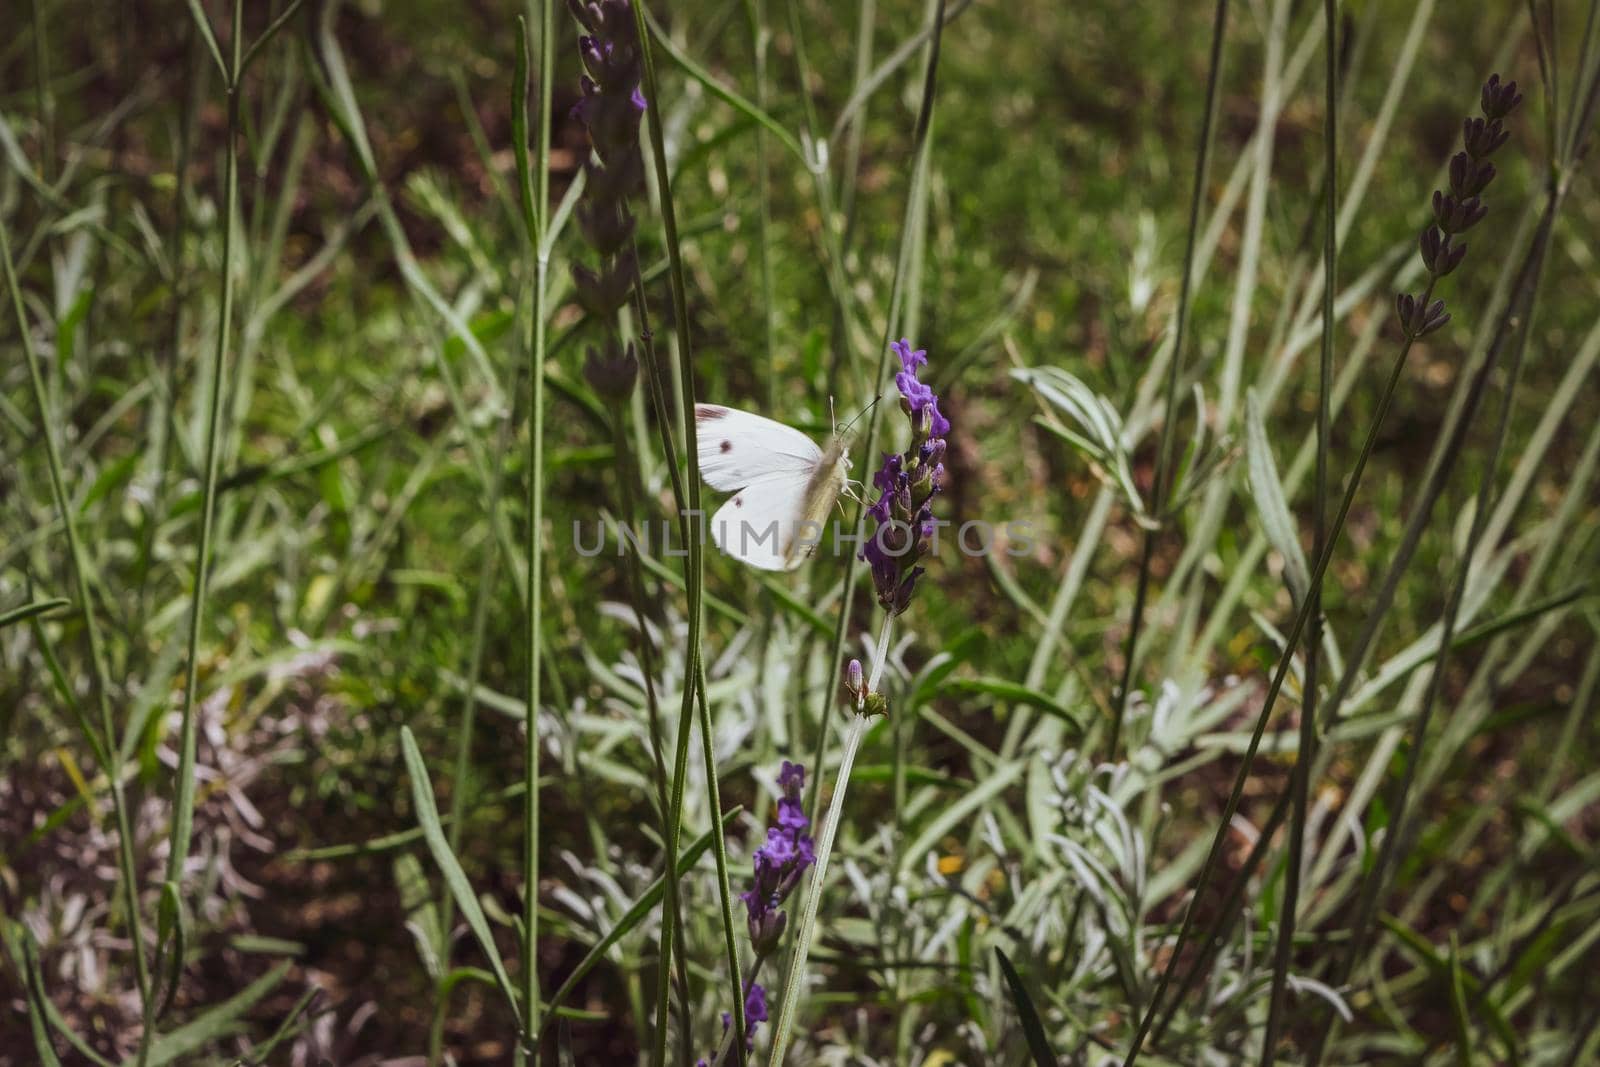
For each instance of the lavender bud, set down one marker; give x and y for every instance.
(1457, 216)
(1499, 100)
(1469, 177)
(1430, 243)
(1405, 306)
(766, 931)
(611, 374)
(1481, 137)
(854, 684)
(1433, 319)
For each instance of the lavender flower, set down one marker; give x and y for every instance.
(780, 863)
(1462, 208)
(610, 109)
(755, 1013)
(906, 484)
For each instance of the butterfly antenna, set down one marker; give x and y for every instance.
(857, 417)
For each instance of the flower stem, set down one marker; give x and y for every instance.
(880, 655)
(819, 875)
(830, 826)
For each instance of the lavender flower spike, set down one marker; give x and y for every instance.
(609, 109)
(906, 484)
(779, 863)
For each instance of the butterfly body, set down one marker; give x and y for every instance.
(783, 485)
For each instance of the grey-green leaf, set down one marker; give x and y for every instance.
(1266, 490)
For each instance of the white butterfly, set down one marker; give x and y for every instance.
(783, 485)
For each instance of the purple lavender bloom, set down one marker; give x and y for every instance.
(755, 1008)
(779, 863)
(755, 1013)
(907, 483)
(917, 397)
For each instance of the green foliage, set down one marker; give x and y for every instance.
(271, 449)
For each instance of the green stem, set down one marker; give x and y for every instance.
(1165, 459)
(1291, 642)
(1300, 785)
(793, 982)
(97, 656)
(535, 539)
(847, 599)
(460, 793)
(1400, 795)
(694, 683)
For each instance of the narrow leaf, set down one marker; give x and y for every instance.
(172, 941)
(1015, 693)
(37, 1015)
(23, 612)
(1459, 1016)
(1032, 1028)
(216, 1023)
(1266, 490)
(450, 867)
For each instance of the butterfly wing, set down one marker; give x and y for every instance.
(783, 485)
(736, 448)
(759, 524)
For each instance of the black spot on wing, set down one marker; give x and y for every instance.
(727, 446)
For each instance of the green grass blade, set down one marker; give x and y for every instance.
(23, 612)
(1027, 1015)
(428, 816)
(218, 1022)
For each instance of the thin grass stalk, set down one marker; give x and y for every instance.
(866, 17)
(631, 488)
(127, 869)
(1285, 661)
(1164, 461)
(671, 936)
(460, 793)
(1514, 323)
(816, 161)
(1228, 913)
(184, 800)
(43, 101)
(1441, 462)
(694, 576)
(801, 943)
(1300, 784)
(1373, 884)
(756, 12)
(538, 215)
(896, 297)
(163, 410)
(672, 925)
(1587, 56)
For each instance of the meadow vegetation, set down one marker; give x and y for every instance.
(336, 335)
